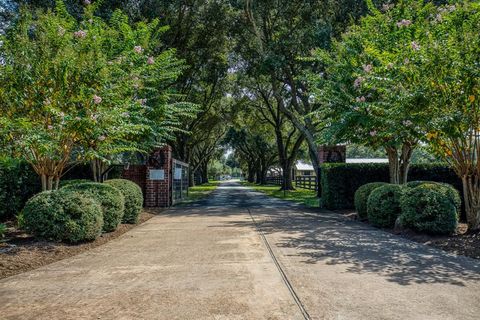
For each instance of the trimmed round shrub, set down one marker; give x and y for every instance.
(383, 205)
(64, 183)
(414, 184)
(63, 215)
(133, 198)
(445, 188)
(361, 197)
(110, 199)
(427, 208)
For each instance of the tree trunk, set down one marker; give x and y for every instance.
(43, 177)
(407, 150)
(471, 196)
(191, 178)
(393, 168)
(316, 167)
(258, 178)
(250, 174)
(287, 183)
(98, 169)
(204, 172)
(399, 164)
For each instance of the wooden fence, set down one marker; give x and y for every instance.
(306, 182)
(274, 180)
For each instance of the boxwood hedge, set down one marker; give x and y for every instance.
(361, 197)
(63, 215)
(133, 198)
(111, 200)
(383, 205)
(427, 208)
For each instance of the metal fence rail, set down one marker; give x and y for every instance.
(306, 182)
(179, 180)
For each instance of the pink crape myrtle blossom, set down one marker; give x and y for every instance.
(80, 34)
(97, 99)
(360, 99)
(138, 49)
(403, 23)
(373, 133)
(387, 6)
(142, 101)
(367, 68)
(150, 60)
(415, 46)
(358, 82)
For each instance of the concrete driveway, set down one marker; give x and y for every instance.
(210, 260)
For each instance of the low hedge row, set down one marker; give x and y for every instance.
(339, 181)
(423, 206)
(80, 211)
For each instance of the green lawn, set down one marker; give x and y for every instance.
(304, 196)
(201, 191)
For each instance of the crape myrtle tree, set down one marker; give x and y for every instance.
(198, 31)
(450, 77)
(370, 87)
(78, 88)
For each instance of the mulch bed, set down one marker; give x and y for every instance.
(20, 252)
(461, 243)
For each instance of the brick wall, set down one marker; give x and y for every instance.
(136, 173)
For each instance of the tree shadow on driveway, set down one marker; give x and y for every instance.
(314, 236)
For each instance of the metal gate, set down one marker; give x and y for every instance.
(179, 180)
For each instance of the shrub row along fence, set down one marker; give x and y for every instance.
(339, 181)
(306, 182)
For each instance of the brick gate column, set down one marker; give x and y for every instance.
(328, 154)
(158, 182)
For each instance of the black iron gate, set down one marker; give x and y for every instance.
(179, 180)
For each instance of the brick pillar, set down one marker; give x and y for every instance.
(332, 154)
(158, 178)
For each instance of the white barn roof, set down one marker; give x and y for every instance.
(303, 166)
